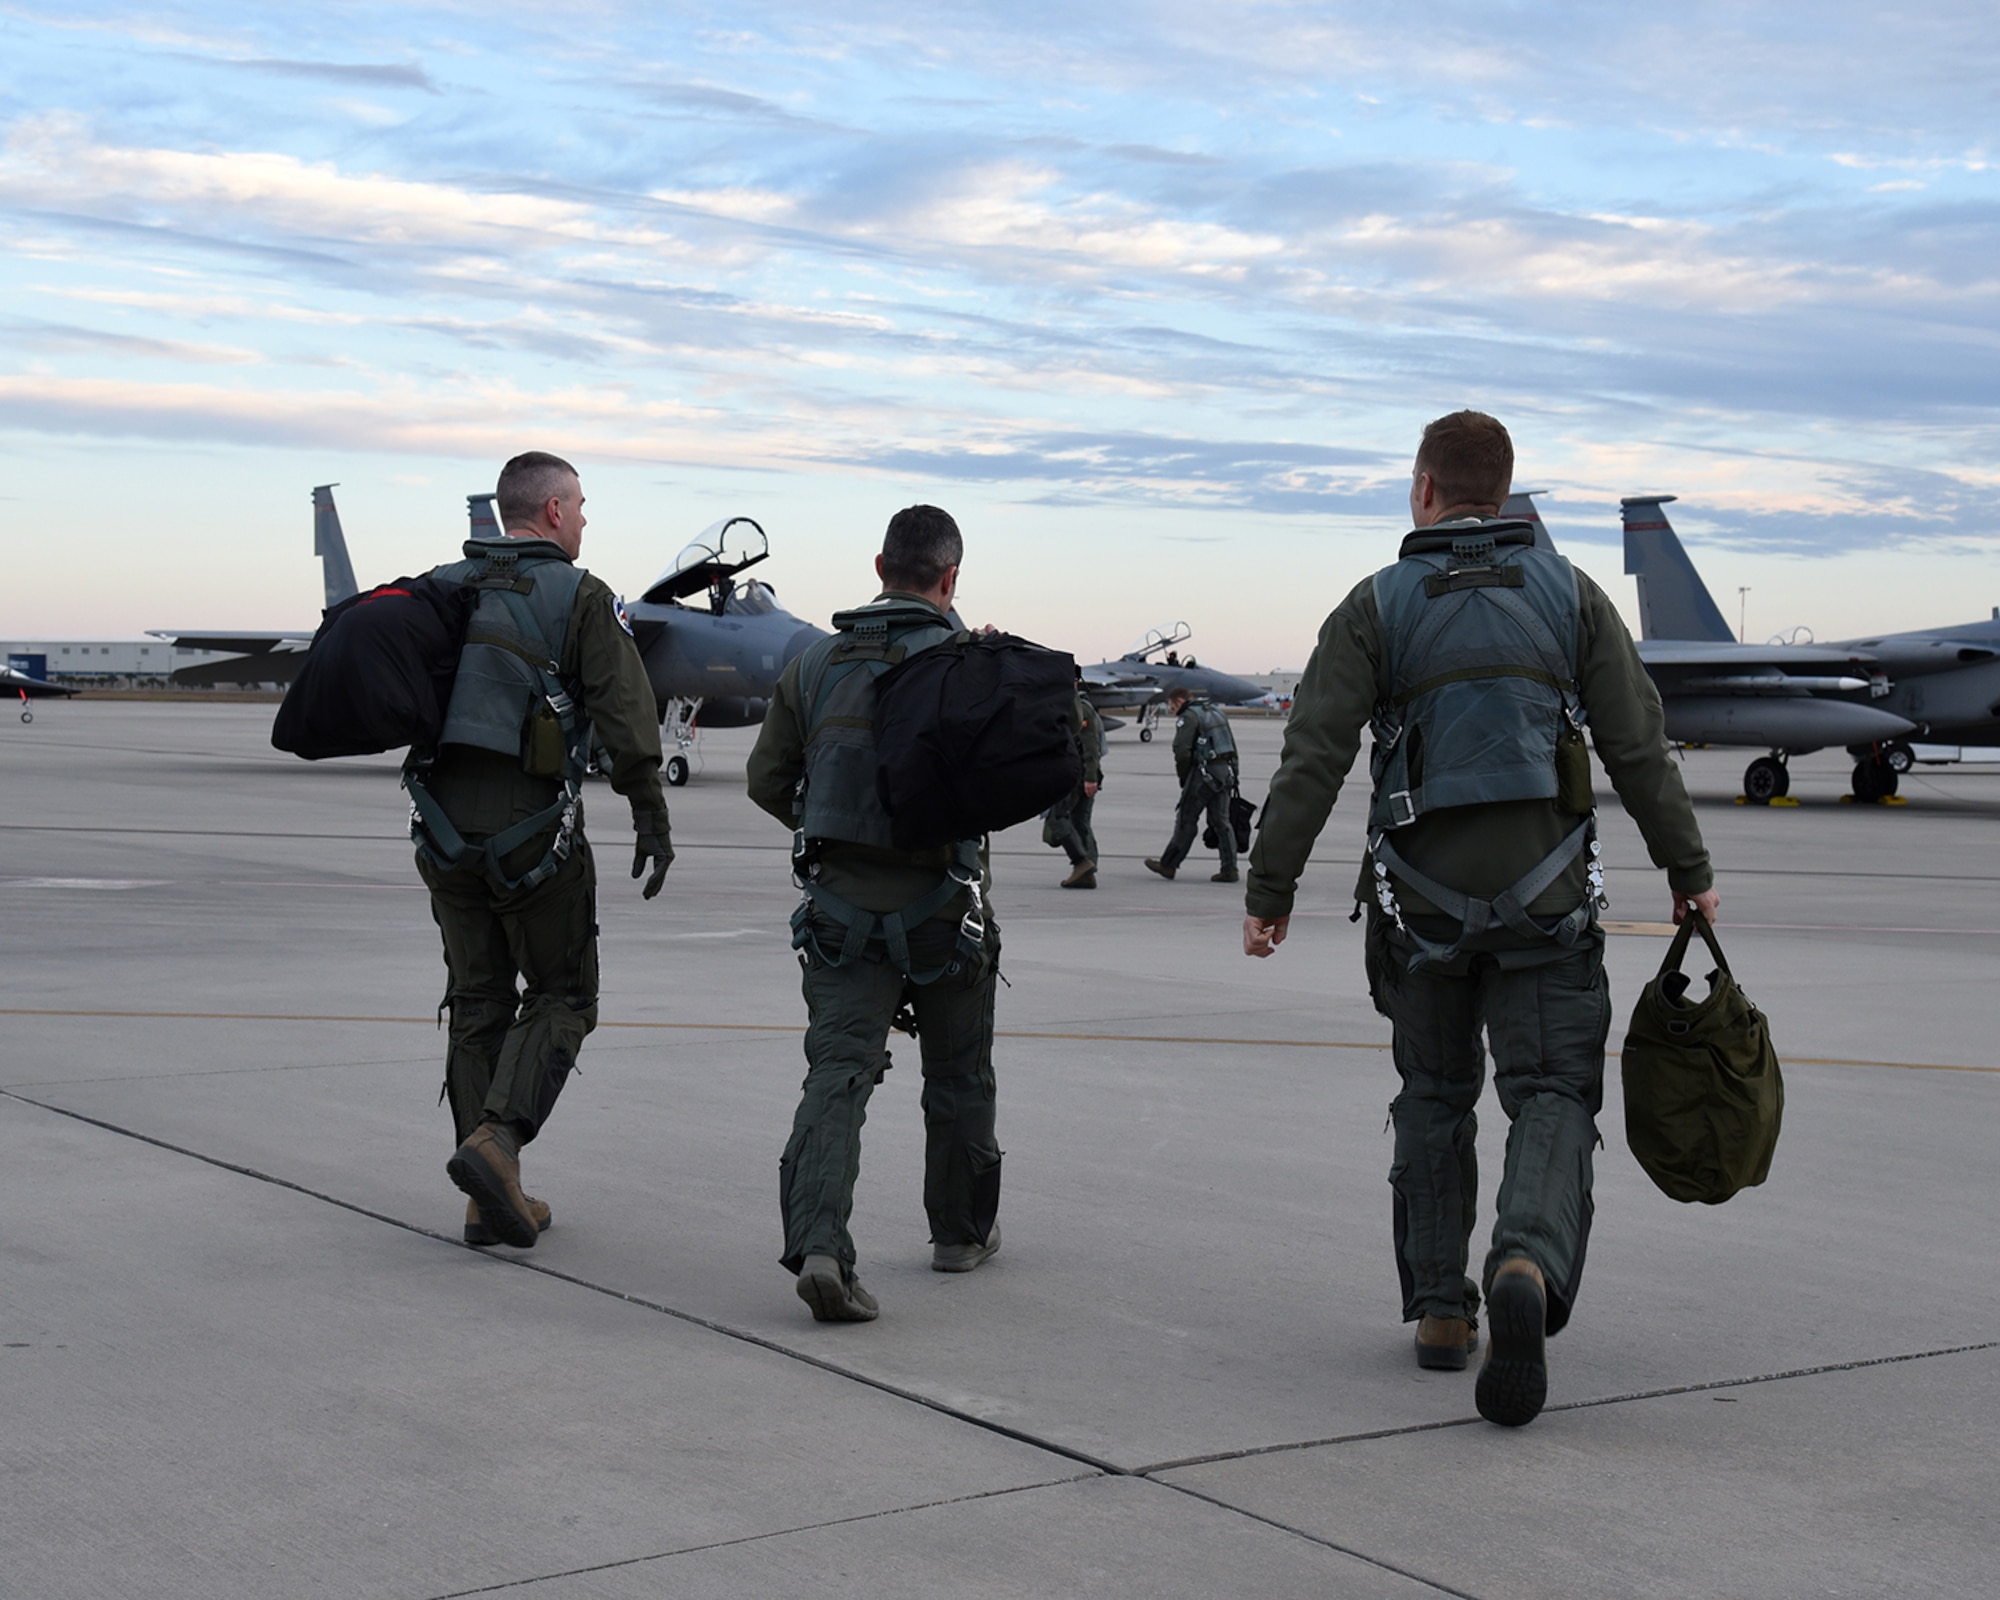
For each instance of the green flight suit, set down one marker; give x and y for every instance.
(850, 1008)
(1067, 823)
(1544, 1008)
(1206, 789)
(522, 963)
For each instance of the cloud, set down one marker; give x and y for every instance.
(1096, 468)
(52, 337)
(385, 75)
(478, 421)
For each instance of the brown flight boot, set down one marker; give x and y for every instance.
(1445, 1343)
(1514, 1383)
(1082, 875)
(833, 1295)
(488, 1168)
(1224, 877)
(1153, 865)
(479, 1235)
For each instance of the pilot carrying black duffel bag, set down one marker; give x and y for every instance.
(379, 671)
(1241, 814)
(1703, 1094)
(973, 735)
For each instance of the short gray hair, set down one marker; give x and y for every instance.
(921, 545)
(529, 482)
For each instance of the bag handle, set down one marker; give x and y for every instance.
(1694, 922)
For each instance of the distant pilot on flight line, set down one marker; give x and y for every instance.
(879, 929)
(1480, 660)
(1205, 761)
(1066, 824)
(499, 829)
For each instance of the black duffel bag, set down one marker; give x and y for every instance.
(1703, 1093)
(973, 735)
(1241, 814)
(379, 671)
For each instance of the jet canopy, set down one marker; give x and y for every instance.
(710, 561)
(1159, 639)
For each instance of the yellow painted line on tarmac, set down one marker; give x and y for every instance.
(792, 1027)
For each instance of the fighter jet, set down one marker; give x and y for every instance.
(1871, 695)
(713, 666)
(25, 685)
(1136, 680)
(272, 657)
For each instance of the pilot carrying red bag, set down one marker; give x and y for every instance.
(379, 672)
(1703, 1094)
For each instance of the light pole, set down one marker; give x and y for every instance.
(1742, 610)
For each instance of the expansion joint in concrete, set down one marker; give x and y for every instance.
(762, 1538)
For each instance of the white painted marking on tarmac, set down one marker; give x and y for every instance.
(83, 883)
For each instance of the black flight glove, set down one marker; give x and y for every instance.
(653, 849)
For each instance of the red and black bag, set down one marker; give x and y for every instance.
(378, 673)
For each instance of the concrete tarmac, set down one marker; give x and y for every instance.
(243, 1354)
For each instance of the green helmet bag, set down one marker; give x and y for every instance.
(1703, 1094)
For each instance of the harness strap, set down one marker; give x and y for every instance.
(892, 928)
(431, 830)
(1507, 909)
(439, 842)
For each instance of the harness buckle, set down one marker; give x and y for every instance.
(566, 826)
(1402, 809)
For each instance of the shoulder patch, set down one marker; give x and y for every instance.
(618, 607)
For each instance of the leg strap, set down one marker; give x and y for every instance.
(892, 928)
(443, 846)
(1507, 909)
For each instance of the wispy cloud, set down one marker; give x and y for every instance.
(385, 75)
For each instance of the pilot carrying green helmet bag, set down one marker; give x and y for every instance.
(1703, 1094)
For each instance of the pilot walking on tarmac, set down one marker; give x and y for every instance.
(1480, 660)
(880, 930)
(1066, 824)
(1205, 762)
(498, 824)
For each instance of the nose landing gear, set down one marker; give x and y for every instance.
(1874, 779)
(1876, 767)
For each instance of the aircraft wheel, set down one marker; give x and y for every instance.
(1874, 780)
(1145, 735)
(677, 771)
(27, 715)
(1900, 757)
(1765, 780)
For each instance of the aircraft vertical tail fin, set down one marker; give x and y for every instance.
(484, 512)
(1673, 601)
(330, 545)
(1520, 507)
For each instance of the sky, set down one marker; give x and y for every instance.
(1156, 298)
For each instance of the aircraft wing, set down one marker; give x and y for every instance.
(1111, 688)
(251, 658)
(246, 644)
(1695, 666)
(20, 683)
(1100, 676)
